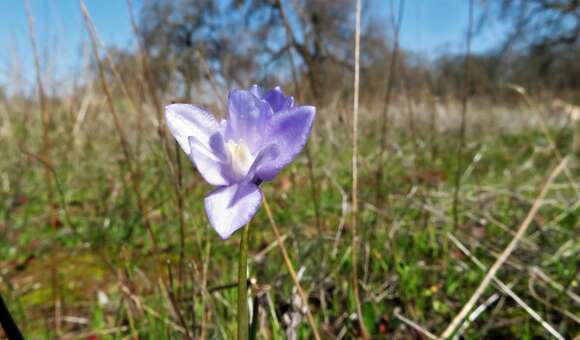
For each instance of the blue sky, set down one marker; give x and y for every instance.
(429, 26)
(437, 26)
(60, 31)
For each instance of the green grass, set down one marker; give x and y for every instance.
(407, 264)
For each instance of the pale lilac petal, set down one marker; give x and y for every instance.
(289, 130)
(186, 120)
(230, 208)
(257, 91)
(208, 162)
(265, 157)
(247, 118)
(277, 100)
(218, 147)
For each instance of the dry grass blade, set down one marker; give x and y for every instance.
(291, 269)
(476, 313)
(545, 130)
(450, 330)
(545, 302)
(535, 271)
(415, 326)
(506, 289)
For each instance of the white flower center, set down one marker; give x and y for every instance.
(240, 157)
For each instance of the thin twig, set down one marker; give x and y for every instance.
(259, 257)
(291, 270)
(211, 78)
(450, 330)
(168, 292)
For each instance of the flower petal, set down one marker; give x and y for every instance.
(266, 156)
(289, 130)
(277, 100)
(257, 91)
(186, 120)
(247, 118)
(230, 208)
(208, 161)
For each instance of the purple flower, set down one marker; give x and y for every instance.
(262, 134)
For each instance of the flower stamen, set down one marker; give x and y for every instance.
(240, 157)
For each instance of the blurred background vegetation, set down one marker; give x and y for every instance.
(102, 229)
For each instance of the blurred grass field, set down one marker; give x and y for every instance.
(107, 281)
(103, 233)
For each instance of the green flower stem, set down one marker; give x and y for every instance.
(243, 324)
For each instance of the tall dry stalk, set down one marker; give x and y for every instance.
(313, 183)
(45, 155)
(354, 212)
(383, 126)
(386, 107)
(131, 172)
(462, 127)
(144, 68)
(176, 170)
(128, 158)
(411, 114)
